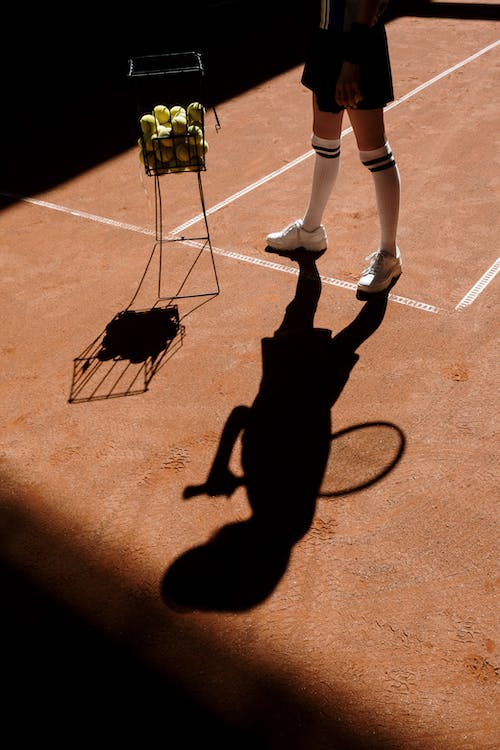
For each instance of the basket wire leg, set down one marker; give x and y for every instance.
(161, 240)
(212, 259)
(159, 229)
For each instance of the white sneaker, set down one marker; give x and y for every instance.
(294, 237)
(382, 273)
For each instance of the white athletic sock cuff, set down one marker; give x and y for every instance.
(330, 149)
(378, 159)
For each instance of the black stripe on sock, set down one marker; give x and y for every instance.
(389, 164)
(378, 159)
(327, 153)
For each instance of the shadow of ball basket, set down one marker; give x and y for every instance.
(360, 456)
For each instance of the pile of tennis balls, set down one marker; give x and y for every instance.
(172, 139)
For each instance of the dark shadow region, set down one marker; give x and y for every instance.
(65, 683)
(127, 354)
(139, 678)
(67, 104)
(430, 9)
(286, 442)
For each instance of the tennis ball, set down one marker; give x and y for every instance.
(177, 110)
(179, 124)
(195, 133)
(162, 114)
(155, 145)
(162, 157)
(145, 149)
(193, 153)
(166, 153)
(202, 148)
(157, 139)
(165, 146)
(144, 143)
(142, 158)
(146, 153)
(163, 131)
(195, 112)
(182, 153)
(148, 124)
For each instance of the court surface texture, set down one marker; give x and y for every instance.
(281, 531)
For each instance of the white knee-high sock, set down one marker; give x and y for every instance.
(326, 169)
(386, 179)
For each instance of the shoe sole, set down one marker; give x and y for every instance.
(295, 251)
(362, 294)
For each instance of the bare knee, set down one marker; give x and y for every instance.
(326, 124)
(369, 129)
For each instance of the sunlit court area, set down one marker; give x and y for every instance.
(241, 504)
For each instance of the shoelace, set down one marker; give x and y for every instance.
(291, 227)
(376, 258)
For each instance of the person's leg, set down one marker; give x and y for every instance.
(375, 153)
(325, 141)
(308, 232)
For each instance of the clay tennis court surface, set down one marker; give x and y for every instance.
(284, 534)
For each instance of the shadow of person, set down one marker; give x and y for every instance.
(285, 444)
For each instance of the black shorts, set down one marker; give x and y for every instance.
(324, 61)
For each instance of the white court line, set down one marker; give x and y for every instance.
(226, 253)
(294, 271)
(468, 299)
(479, 286)
(82, 214)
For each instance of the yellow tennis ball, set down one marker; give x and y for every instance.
(165, 147)
(182, 153)
(195, 133)
(163, 131)
(202, 148)
(193, 153)
(148, 124)
(161, 135)
(146, 155)
(162, 114)
(155, 146)
(144, 143)
(145, 150)
(195, 112)
(177, 110)
(166, 153)
(179, 124)
(163, 156)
